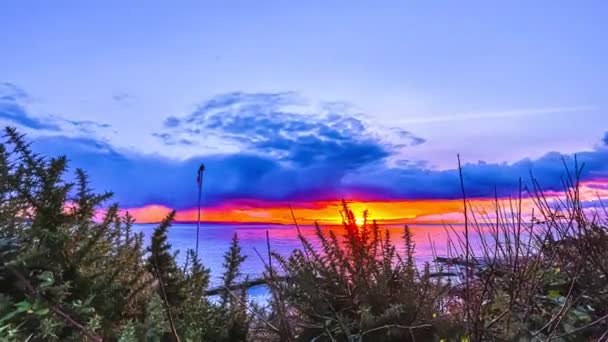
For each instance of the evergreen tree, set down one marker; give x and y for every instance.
(161, 263)
(233, 305)
(79, 274)
(200, 319)
(72, 268)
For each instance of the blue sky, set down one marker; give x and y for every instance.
(394, 85)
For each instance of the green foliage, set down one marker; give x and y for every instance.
(232, 263)
(197, 307)
(526, 282)
(156, 324)
(543, 281)
(233, 306)
(161, 263)
(72, 269)
(355, 287)
(83, 272)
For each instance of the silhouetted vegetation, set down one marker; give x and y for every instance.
(72, 269)
(68, 275)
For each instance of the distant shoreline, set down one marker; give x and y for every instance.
(228, 223)
(219, 223)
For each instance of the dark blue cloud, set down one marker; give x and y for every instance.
(170, 140)
(605, 139)
(171, 122)
(88, 123)
(481, 179)
(253, 101)
(146, 179)
(10, 92)
(121, 97)
(11, 109)
(143, 179)
(406, 135)
(266, 123)
(83, 127)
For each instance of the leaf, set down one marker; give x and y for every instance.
(88, 301)
(23, 306)
(554, 294)
(568, 327)
(42, 312)
(8, 316)
(47, 279)
(581, 314)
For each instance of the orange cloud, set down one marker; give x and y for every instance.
(328, 212)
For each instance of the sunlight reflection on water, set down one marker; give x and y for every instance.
(215, 241)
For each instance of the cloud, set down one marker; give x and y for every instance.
(10, 92)
(82, 127)
(12, 109)
(408, 136)
(171, 122)
(605, 139)
(121, 97)
(140, 180)
(288, 154)
(169, 140)
(144, 179)
(498, 114)
(481, 179)
(277, 125)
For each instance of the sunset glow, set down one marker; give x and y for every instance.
(328, 212)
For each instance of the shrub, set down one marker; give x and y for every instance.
(72, 269)
(356, 287)
(531, 279)
(68, 274)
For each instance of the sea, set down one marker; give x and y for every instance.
(214, 241)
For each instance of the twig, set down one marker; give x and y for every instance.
(389, 326)
(495, 320)
(199, 179)
(300, 236)
(560, 315)
(582, 328)
(165, 299)
(604, 337)
(55, 308)
(275, 329)
(269, 254)
(467, 247)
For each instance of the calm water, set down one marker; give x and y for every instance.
(215, 240)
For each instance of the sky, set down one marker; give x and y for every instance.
(307, 103)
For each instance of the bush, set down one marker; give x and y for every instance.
(535, 279)
(69, 275)
(72, 269)
(356, 287)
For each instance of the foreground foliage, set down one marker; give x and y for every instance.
(72, 269)
(69, 275)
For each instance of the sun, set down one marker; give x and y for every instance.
(359, 221)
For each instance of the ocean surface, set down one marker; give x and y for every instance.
(214, 241)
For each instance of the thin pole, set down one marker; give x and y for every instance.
(200, 191)
(467, 247)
